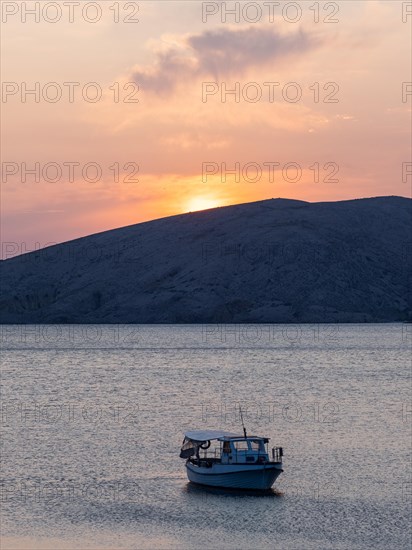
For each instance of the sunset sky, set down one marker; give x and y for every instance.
(332, 121)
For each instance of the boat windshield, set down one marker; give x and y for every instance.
(257, 445)
(241, 445)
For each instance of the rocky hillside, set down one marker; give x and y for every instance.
(271, 261)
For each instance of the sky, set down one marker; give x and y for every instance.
(140, 110)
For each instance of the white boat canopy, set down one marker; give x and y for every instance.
(208, 435)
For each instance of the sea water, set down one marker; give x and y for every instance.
(93, 417)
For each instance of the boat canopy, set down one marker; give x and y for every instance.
(208, 435)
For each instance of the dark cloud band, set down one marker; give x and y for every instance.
(219, 53)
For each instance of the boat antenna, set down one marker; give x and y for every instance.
(243, 425)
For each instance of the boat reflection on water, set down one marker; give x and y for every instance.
(206, 491)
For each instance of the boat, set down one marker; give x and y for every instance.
(235, 462)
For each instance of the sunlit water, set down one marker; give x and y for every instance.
(93, 418)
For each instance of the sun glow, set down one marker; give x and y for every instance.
(201, 203)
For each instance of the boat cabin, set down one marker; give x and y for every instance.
(242, 450)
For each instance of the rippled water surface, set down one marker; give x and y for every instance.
(93, 418)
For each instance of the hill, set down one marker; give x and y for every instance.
(270, 261)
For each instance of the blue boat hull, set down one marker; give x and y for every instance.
(260, 477)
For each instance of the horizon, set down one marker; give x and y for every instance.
(10, 250)
(180, 107)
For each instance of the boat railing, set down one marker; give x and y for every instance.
(211, 453)
(217, 453)
(277, 453)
